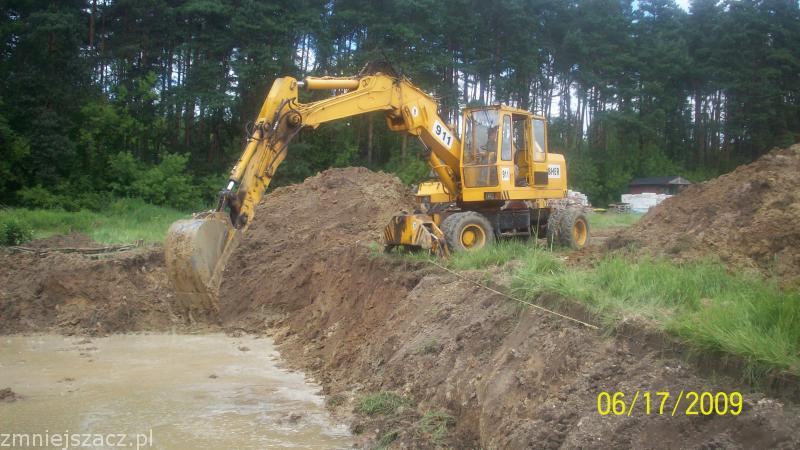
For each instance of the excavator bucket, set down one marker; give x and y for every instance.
(415, 231)
(196, 251)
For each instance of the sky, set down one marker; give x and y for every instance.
(684, 4)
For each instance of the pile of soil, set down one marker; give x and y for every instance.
(301, 243)
(748, 218)
(361, 323)
(76, 293)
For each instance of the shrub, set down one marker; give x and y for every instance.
(124, 169)
(14, 232)
(38, 197)
(165, 184)
(413, 169)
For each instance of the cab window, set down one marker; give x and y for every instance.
(505, 152)
(520, 133)
(480, 142)
(481, 132)
(539, 140)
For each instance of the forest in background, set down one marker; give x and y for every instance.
(150, 98)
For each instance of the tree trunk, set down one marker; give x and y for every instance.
(369, 139)
(91, 23)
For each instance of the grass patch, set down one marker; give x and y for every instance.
(387, 439)
(381, 403)
(437, 425)
(702, 303)
(497, 254)
(429, 347)
(124, 221)
(610, 219)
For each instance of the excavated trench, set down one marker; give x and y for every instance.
(307, 273)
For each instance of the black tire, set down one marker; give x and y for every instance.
(553, 232)
(574, 229)
(456, 226)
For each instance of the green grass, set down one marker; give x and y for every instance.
(702, 303)
(610, 219)
(386, 440)
(436, 424)
(381, 403)
(498, 254)
(124, 221)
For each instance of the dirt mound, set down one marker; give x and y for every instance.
(84, 294)
(300, 234)
(749, 218)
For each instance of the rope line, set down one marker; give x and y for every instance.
(533, 305)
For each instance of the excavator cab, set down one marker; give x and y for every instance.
(510, 184)
(505, 157)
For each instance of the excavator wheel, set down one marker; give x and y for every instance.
(554, 228)
(574, 231)
(568, 228)
(466, 231)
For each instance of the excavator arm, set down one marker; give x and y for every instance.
(197, 250)
(406, 107)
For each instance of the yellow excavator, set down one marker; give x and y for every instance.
(496, 178)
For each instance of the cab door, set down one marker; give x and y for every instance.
(541, 169)
(505, 163)
(515, 159)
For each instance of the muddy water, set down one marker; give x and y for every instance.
(164, 391)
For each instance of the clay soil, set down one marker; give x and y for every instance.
(308, 272)
(76, 293)
(748, 218)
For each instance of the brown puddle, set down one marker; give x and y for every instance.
(209, 391)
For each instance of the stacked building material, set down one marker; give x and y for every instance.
(642, 203)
